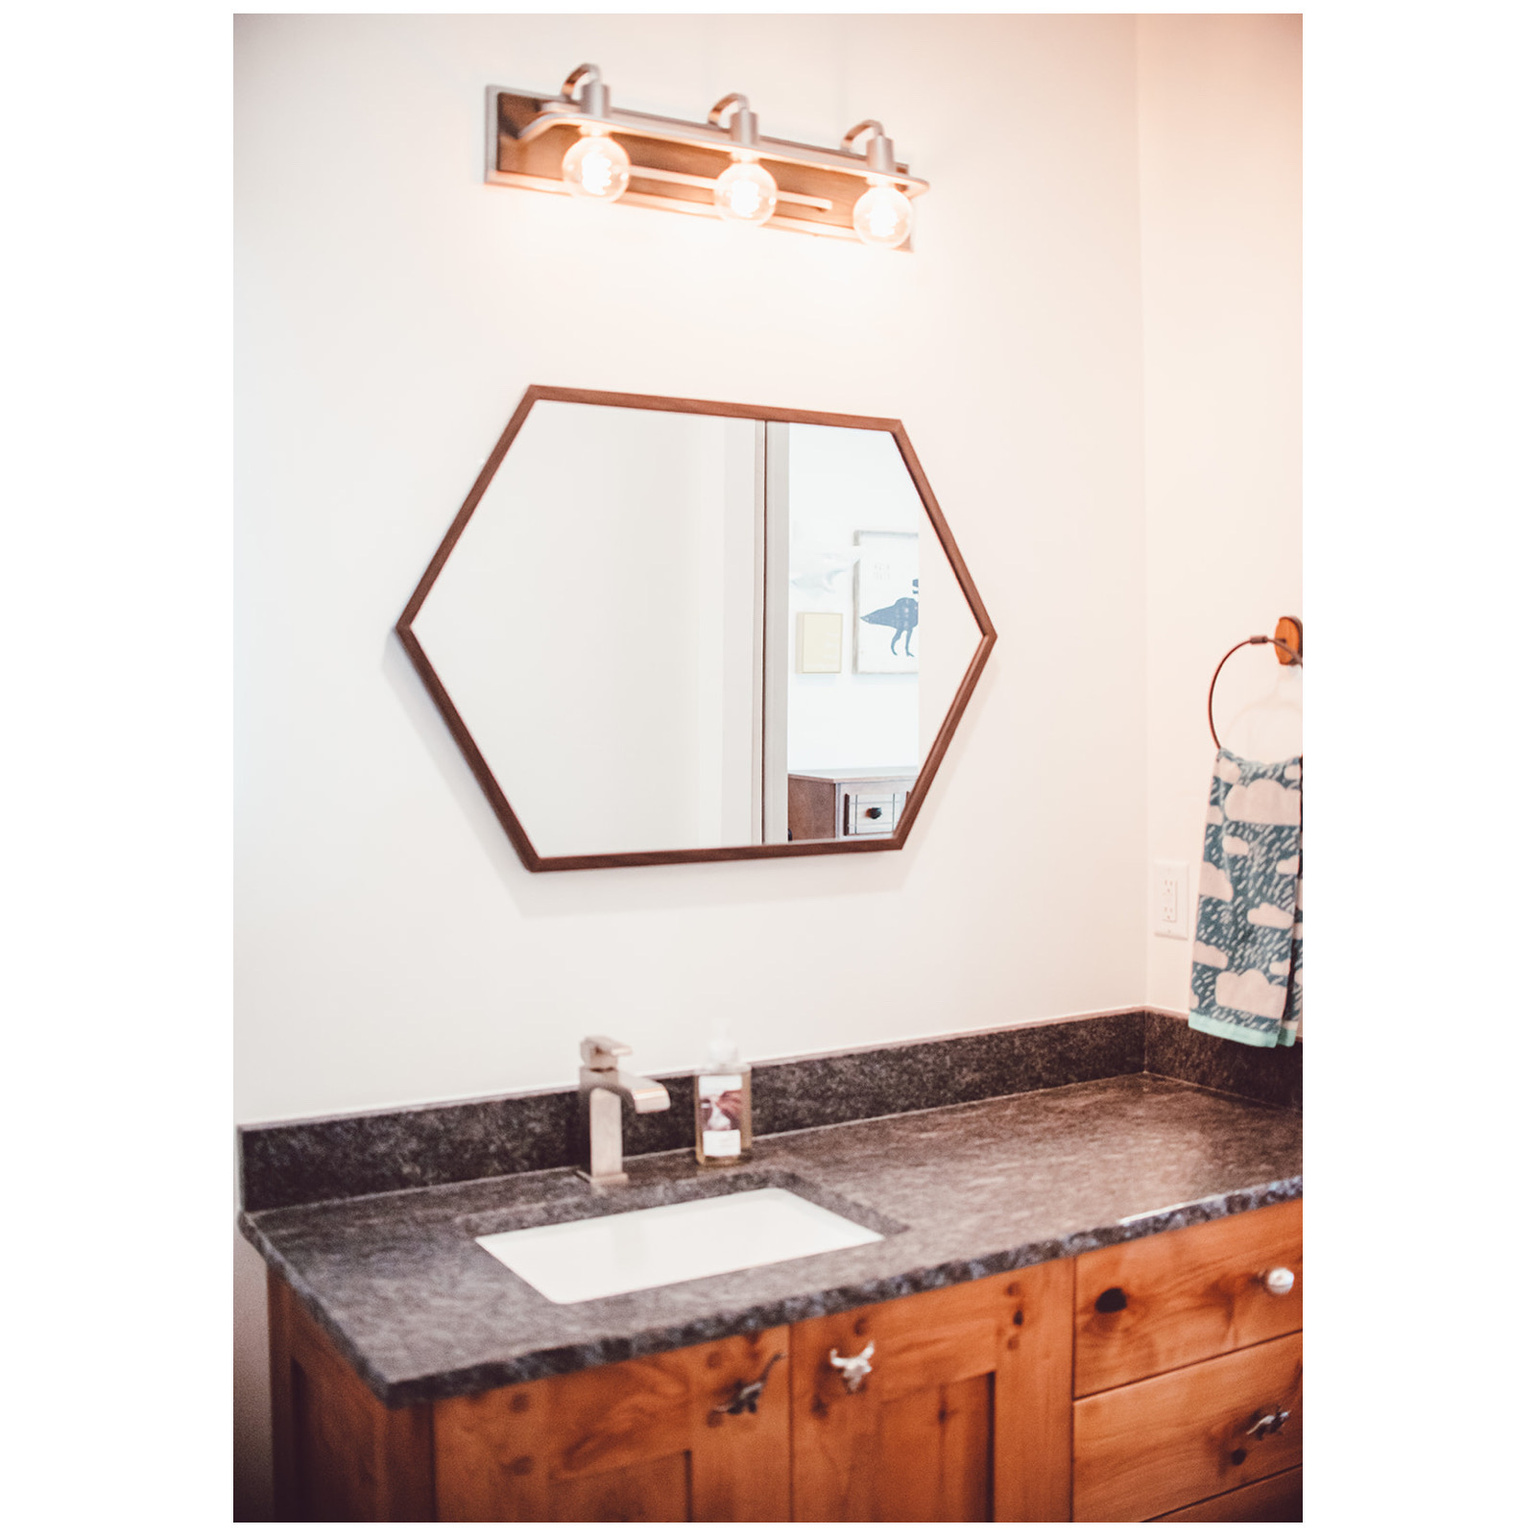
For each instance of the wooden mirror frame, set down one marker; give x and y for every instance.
(537, 862)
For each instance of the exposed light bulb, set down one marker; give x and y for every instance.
(883, 217)
(596, 167)
(745, 193)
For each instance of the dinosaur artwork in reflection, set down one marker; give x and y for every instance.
(901, 617)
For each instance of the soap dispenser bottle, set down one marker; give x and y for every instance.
(722, 1105)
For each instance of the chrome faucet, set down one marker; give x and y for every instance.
(602, 1089)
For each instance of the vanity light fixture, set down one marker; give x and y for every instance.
(744, 192)
(575, 142)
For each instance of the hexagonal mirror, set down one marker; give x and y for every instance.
(665, 631)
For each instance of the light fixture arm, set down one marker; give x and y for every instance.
(880, 153)
(743, 119)
(584, 86)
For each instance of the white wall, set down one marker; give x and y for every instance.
(390, 311)
(1220, 118)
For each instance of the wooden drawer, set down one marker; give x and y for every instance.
(1273, 1500)
(1158, 1445)
(1167, 1301)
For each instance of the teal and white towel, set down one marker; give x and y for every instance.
(1245, 983)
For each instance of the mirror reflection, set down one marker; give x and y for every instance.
(671, 630)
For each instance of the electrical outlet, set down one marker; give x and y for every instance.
(1170, 898)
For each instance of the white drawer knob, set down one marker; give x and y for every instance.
(1278, 1282)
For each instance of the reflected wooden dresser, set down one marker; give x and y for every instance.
(843, 802)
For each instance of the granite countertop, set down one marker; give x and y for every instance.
(423, 1312)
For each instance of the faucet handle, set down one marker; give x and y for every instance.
(601, 1052)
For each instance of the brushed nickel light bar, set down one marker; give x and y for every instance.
(575, 142)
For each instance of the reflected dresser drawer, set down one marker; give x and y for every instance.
(844, 803)
(871, 815)
(1198, 1433)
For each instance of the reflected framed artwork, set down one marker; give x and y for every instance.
(885, 587)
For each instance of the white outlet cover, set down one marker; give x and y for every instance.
(1170, 898)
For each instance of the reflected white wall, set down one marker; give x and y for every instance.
(593, 627)
(842, 482)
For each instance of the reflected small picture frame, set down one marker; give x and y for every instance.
(818, 642)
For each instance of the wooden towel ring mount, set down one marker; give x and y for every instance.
(1287, 643)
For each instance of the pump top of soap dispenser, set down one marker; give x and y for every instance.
(722, 1051)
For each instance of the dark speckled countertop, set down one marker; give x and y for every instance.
(424, 1312)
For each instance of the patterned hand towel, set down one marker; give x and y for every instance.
(1245, 983)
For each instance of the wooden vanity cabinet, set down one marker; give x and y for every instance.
(1125, 1384)
(966, 1414)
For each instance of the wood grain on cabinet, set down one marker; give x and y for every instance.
(1187, 1295)
(1156, 1445)
(338, 1452)
(1276, 1500)
(637, 1440)
(965, 1415)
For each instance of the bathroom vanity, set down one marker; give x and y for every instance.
(972, 1409)
(1084, 1303)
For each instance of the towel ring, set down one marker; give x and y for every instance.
(1210, 698)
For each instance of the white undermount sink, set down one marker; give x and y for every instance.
(667, 1244)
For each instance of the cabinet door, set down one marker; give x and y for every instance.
(965, 1413)
(639, 1440)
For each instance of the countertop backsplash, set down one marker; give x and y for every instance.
(336, 1158)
